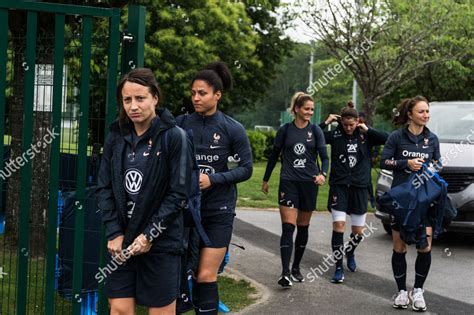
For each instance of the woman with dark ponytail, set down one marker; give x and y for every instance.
(351, 143)
(406, 150)
(300, 143)
(218, 139)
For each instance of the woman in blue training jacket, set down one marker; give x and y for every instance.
(301, 142)
(141, 194)
(405, 151)
(218, 139)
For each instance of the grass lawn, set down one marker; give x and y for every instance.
(250, 195)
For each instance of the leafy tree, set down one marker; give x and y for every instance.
(182, 39)
(402, 39)
(292, 77)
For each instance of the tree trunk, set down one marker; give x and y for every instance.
(369, 109)
(41, 122)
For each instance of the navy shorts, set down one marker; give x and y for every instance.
(396, 225)
(298, 194)
(152, 279)
(348, 199)
(218, 228)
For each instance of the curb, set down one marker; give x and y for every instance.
(262, 295)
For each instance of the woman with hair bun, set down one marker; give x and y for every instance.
(406, 150)
(300, 143)
(351, 143)
(218, 139)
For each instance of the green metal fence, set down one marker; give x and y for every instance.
(59, 65)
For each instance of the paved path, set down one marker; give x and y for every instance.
(450, 287)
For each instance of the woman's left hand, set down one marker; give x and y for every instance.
(319, 180)
(204, 181)
(140, 245)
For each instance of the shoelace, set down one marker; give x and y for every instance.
(418, 295)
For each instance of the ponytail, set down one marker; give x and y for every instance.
(400, 117)
(298, 100)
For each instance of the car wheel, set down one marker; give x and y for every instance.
(387, 228)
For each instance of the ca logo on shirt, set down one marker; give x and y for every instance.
(133, 181)
(352, 148)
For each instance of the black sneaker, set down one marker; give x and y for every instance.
(285, 280)
(296, 275)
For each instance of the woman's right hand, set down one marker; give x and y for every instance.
(115, 246)
(415, 164)
(331, 118)
(265, 187)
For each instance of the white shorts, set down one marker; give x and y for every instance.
(356, 219)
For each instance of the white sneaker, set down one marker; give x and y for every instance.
(401, 301)
(418, 303)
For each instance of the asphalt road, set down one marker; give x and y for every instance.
(449, 288)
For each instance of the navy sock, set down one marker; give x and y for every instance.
(300, 244)
(422, 267)
(353, 242)
(286, 245)
(206, 298)
(337, 241)
(399, 267)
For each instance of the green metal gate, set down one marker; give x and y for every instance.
(66, 92)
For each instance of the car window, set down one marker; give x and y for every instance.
(452, 122)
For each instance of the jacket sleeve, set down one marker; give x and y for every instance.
(105, 196)
(278, 144)
(243, 154)
(377, 137)
(387, 158)
(179, 161)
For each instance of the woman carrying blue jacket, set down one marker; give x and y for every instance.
(218, 139)
(141, 194)
(406, 150)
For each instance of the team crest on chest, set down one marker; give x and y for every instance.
(216, 138)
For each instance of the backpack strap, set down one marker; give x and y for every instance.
(194, 202)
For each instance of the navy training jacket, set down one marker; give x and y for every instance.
(350, 155)
(402, 146)
(159, 207)
(218, 140)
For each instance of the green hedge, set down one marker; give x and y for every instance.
(261, 143)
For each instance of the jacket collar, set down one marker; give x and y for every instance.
(415, 139)
(209, 119)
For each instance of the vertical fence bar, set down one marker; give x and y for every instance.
(25, 192)
(3, 85)
(51, 242)
(111, 112)
(81, 166)
(133, 52)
